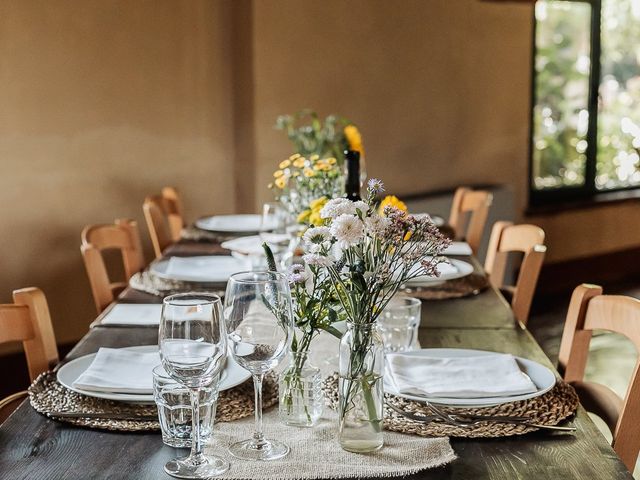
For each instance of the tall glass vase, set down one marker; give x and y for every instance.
(360, 389)
(300, 387)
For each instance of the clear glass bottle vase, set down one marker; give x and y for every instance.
(360, 389)
(300, 390)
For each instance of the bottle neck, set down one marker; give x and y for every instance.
(352, 183)
(361, 327)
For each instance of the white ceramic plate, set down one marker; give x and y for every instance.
(232, 375)
(541, 376)
(245, 223)
(461, 269)
(204, 269)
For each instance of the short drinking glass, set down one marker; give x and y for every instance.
(398, 324)
(260, 328)
(174, 409)
(193, 347)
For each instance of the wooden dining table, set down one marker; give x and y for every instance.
(35, 447)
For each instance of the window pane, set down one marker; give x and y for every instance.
(618, 160)
(560, 115)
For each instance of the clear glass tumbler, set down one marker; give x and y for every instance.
(398, 324)
(175, 411)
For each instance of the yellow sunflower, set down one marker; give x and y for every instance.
(393, 201)
(299, 162)
(281, 182)
(284, 163)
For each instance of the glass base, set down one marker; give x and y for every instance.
(204, 466)
(253, 450)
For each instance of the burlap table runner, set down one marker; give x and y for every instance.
(316, 453)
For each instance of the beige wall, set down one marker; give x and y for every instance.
(101, 103)
(104, 101)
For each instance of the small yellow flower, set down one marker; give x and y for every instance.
(315, 219)
(284, 163)
(332, 161)
(270, 186)
(281, 182)
(295, 174)
(299, 162)
(309, 173)
(354, 139)
(393, 201)
(304, 216)
(314, 158)
(278, 174)
(318, 203)
(294, 156)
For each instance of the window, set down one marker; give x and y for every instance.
(586, 99)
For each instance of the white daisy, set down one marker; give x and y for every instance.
(336, 207)
(362, 206)
(348, 230)
(375, 225)
(316, 259)
(317, 235)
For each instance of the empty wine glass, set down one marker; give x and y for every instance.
(260, 327)
(193, 348)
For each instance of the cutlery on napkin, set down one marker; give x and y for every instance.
(119, 370)
(494, 375)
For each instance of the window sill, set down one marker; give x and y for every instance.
(599, 200)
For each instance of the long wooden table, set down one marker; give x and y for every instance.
(34, 447)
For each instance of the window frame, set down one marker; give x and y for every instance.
(588, 190)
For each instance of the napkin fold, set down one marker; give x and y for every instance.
(133, 314)
(494, 375)
(119, 370)
(458, 248)
(252, 245)
(211, 268)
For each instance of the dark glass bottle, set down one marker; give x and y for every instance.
(352, 183)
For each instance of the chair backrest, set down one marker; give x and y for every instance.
(163, 214)
(27, 320)
(527, 239)
(591, 310)
(473, 204)
(123, 236)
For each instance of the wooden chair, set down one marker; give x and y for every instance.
(473, 204)
(591, 310)
(164, 217)
(528, 239)
(122, 236)
(27, 320)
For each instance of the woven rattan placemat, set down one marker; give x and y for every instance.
(551, 408)
(458, 288)
(48, 396)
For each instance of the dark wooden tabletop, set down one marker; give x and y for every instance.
(36, 448)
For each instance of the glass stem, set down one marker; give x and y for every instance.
(196, 444)
(258, 436)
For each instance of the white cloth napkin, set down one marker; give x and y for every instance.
(458, 248)
(204, 269)
(119, 370)
(133, 314)
(252, 245)
(494, 375)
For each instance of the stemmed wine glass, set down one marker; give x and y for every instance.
(193, 349)
(257, 311)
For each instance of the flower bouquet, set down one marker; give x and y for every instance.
(368, 256)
